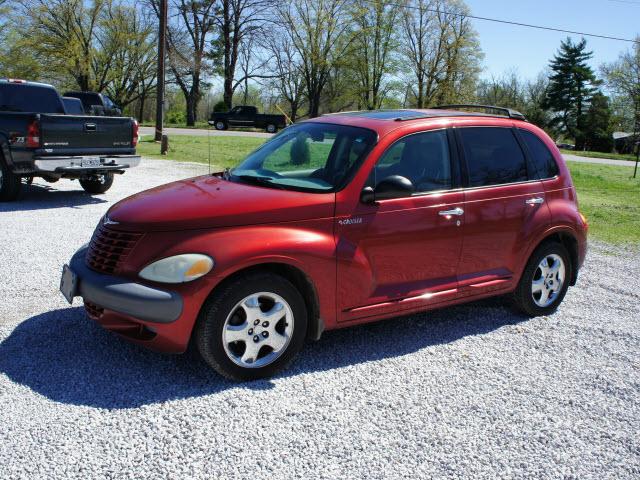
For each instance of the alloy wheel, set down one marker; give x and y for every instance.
(548, 280)
(258, 330)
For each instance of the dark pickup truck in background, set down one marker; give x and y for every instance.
(96, 103)
(38, 139)
(246, 116)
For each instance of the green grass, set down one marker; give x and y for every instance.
(610, 199)
(608, 196)
(225, 151)
(612, 156)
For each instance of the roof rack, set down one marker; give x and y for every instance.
(507, 112)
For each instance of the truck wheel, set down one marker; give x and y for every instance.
(271, 128)
(10, 183)
(97, 184)
(220, 125)
(253, 327)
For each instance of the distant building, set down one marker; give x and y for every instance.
(625, 142)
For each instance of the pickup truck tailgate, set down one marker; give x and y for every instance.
(69, 134)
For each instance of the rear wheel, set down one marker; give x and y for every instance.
(252, 328)
(97, 184)
(10, 183)
(271, 128)
(545, 280)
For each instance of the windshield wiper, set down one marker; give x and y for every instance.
(258, 180)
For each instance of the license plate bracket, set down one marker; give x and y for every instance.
(68, 283)
(90, 162)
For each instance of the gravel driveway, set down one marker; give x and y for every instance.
(471, 391)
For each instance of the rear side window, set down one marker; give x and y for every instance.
(543, 161)
(493, 156)
(29, 98)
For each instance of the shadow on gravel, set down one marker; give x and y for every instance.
(43, 197)
(67, 358)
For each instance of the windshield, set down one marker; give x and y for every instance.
(318, 157)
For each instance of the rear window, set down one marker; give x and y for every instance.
(493, 156)
(543, 161)
(29, 98)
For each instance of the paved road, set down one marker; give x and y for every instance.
(602, 161)
(203, 133)
(474, 391)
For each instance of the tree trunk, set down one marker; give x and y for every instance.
(314, 104)
(227, 96)
(141, 111)
(192, 106)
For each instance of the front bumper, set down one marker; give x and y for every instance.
(83, 165)
(122, 296)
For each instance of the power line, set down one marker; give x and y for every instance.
(508, 22)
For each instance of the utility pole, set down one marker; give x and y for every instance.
(162, 46)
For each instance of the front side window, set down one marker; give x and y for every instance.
(309, 156)
(544, 163)
(493, 156)
(423, 158)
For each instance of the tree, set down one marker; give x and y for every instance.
(320, 35)
(373, 44)
(571, 85)
(237, 21)
(597, 125)
(623, 79)
(125, 63)
(61, 35)
(191, 23)
(285, 63)
(441, 51)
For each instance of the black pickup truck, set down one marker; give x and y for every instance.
(37, 139)
(245, 116)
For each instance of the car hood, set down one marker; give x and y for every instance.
(209, 201)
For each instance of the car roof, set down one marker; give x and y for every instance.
(384, 121)
(15, 81)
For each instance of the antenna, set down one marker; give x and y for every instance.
(209, 147)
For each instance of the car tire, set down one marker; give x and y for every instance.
(220, 125)
(10, 183)
(544, 281)
(97, 185)
(271, 128)
(253, 327)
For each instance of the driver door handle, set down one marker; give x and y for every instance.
(534, 201)
(447, 213)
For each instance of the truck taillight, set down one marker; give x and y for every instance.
(33, 135)
(134, 140)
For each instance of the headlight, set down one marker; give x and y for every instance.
(178, 269)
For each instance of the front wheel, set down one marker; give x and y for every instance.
(97, 184)
(252, 328)
(220, 125)
(545, 280)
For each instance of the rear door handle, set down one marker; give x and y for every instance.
(534, 201)
(447, 213)
(90, 127)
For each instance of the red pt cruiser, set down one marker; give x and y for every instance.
(339, 220)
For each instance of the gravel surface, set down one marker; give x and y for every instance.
(472, 391)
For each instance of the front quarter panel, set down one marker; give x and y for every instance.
(307, 245)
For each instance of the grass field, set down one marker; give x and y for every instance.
(608, 197)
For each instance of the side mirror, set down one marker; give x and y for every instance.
(395, 186)
(367, 196)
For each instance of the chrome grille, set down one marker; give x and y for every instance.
(109, 249)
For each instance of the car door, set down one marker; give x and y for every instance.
(504, 204)
(402, 253)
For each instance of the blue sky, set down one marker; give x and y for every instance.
(529, 50)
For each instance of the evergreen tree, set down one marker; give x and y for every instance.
(598, 129)
(571, 86)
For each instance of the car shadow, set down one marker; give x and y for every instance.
(67, 358)
(42, 197)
